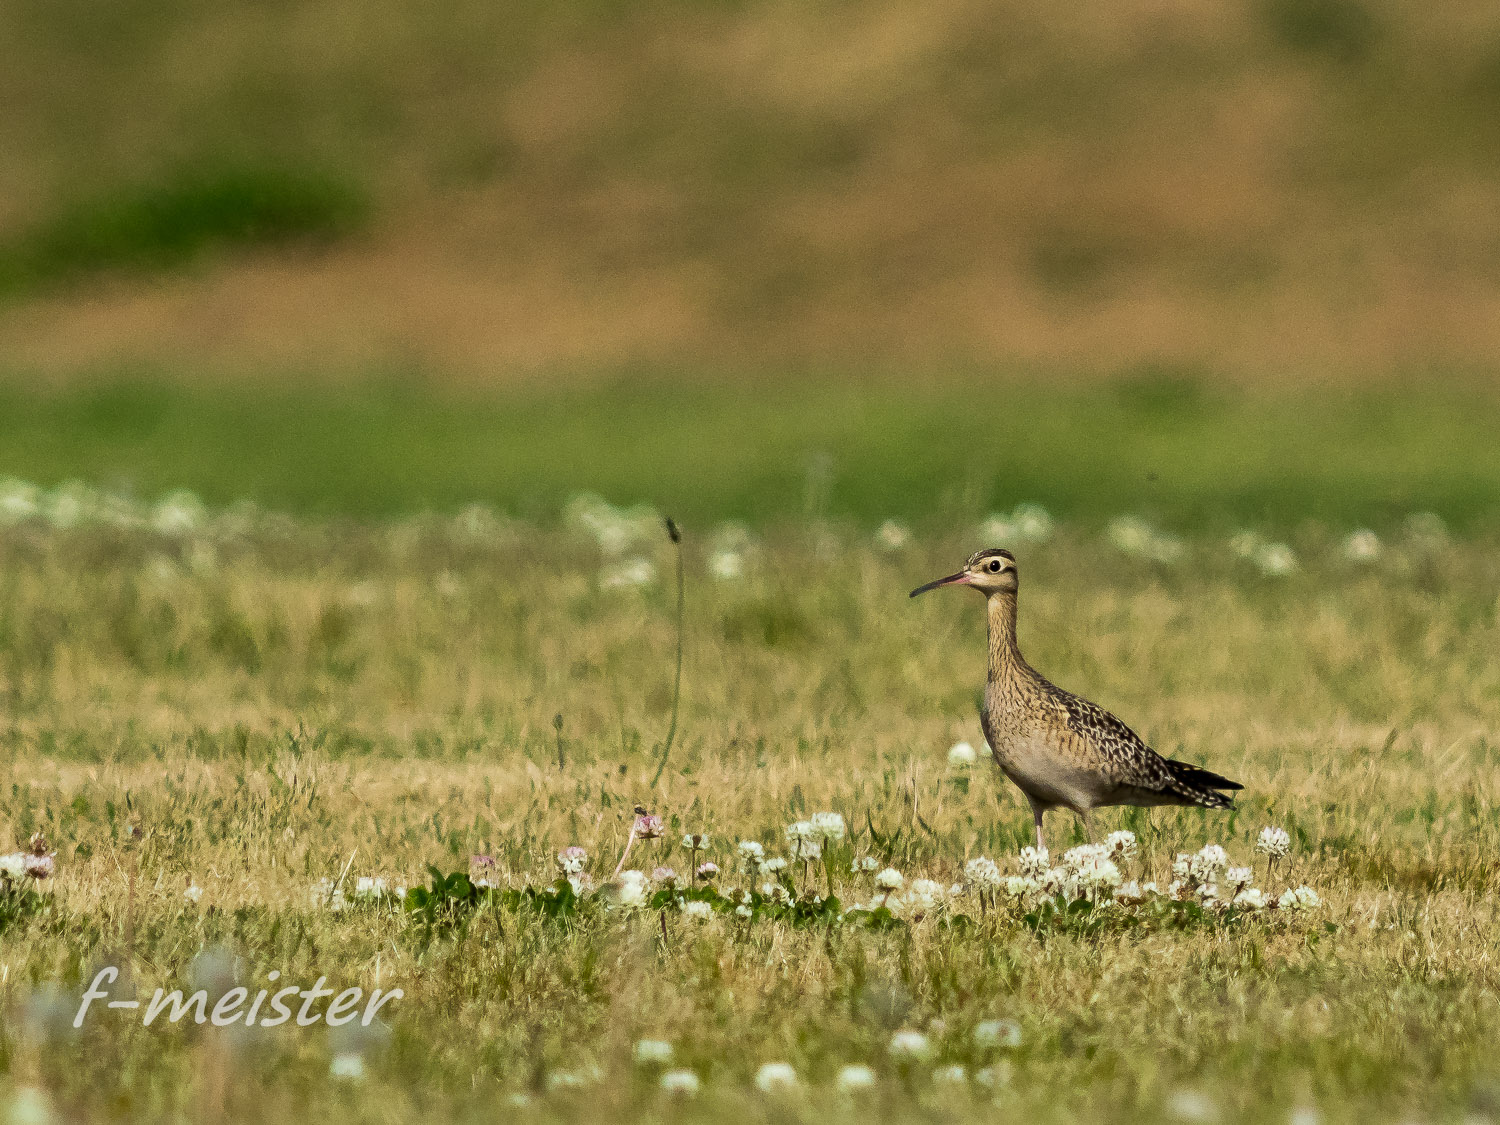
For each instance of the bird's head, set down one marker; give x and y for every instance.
(991, 571)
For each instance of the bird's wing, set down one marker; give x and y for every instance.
(1125, 758)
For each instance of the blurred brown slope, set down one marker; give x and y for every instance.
(1259, 186)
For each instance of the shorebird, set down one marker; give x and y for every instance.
(1060, 750)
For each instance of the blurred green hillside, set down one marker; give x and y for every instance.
(1260, 187)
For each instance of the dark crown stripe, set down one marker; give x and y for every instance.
(991, 553)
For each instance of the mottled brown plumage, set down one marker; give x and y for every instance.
(1060, 750)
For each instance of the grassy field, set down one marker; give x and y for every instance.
(941, 448)
(247, 704)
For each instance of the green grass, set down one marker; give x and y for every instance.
(933, 452)
(170, 223)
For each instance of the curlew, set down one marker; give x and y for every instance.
(1060, 750)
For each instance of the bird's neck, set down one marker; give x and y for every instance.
(1005, 654)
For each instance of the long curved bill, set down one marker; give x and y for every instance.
(959, 579)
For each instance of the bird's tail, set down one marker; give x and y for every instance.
(1201, 786)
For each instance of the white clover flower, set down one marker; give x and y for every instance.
(1027, 522)
(1191, 1105)
(1177, 890)
(581, 884)
(1303, 898)
(892, 536)
(630, 573)
(1362, 546)
(1182, 866)
(1426, 530)
(1134, 536)
(889, 880)
(1276, 560)
(924, 896)
(1273, 842)
(910, 1046)
(1020, 886)
(1120, 844)
(1130, 894)
(1098, 873)
(178, 513)
(193, 893)
(571, 860)
(117, 511)
(1031, 522)
(1210, 862)
(854, 1077)
(1076, 859)
(1058, 881)
(1244, 544)
(1208, 894)
(1129, 534)
(367, 887)
(680, 1083)
(1251, 898)
(955, 1074)
(1034, 862)
(926, 893)
(19, 501)
(804, 841)
(664, 876)
(989, 1034)
(961, 755)
(1239, 877)
(829, 826)
(478, 523)
(1150, 889)
(996, 528)
(743, 911)
(573, 1079)
(65, 508)
(864, 865)
(707, 870)
(652, 1052)
(726, 566)
(348, 1065)
(997, 1074)
(697, 911)
(751, 854)
(695, 841)
(776, 1078)
(774, 866)
(776, 893)
(981, 873)
(631, 889)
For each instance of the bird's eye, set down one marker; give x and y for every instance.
(994, 566)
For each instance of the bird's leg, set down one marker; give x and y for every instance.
(1088, 825)
(1036, 815)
